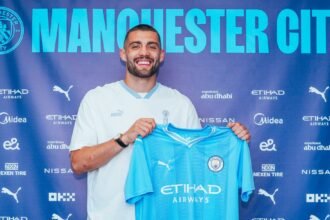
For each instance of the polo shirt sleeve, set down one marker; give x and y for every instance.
(138, 181)
(84, 132)
(245, 174)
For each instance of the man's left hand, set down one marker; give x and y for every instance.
(240, 130)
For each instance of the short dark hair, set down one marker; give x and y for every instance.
(143, 27)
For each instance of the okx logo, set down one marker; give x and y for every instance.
(11, 30)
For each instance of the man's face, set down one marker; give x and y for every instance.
(142, 54)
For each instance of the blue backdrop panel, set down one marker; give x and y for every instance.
(264, 64)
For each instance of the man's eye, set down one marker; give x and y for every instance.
(134, 46)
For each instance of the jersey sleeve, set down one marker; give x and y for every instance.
(83, 131)
(138, 181)
(245, 174)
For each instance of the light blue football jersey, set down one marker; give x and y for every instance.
(189, 174)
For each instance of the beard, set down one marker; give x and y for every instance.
(132, 69)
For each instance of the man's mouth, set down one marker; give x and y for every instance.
(143, 61)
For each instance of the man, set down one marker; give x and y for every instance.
(111, 117)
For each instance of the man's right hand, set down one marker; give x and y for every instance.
(142, 126)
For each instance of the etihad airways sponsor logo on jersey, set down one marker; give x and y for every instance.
(315, 120)
(216, 120)
(13, 94)
(261, 119)
(265, 95)
(317, 198)
(190, 193)
(6, 118)
(215, 94)
(57, 119)
(316, 146)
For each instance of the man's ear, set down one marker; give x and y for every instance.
(162, 56)
(122, 54)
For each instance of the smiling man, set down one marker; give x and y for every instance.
(111, 117)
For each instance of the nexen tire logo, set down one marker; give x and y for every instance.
(261, 119)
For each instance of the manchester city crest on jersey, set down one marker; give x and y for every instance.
(11, 30)
(215, 163)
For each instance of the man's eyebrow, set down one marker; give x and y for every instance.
(135, 42)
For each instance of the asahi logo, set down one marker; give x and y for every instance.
(215, 94)
(5, 118)
(261, 119)
(61, 119)
(267, 94)
(13, 93)
(315, 120)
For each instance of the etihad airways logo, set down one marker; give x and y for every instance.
(267, 94)
(13, 94)
(190, 193)
(261, 119)
(61, 119)
(315, 120)
(5, 118)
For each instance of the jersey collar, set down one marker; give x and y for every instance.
(174, 133)
(137, 95)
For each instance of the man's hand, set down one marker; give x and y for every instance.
(240, 130)
(142, 126)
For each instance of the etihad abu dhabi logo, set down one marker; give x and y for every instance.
(11, 30)
(318, 92)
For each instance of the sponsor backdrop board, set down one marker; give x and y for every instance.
(265, 64)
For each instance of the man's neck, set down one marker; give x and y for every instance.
(140, 84)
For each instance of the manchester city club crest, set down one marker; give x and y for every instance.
(11, 30)
(215, 163)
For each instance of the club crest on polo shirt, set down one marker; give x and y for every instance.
(215, 163)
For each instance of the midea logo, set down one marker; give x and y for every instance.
(5, 118)
(261, 119)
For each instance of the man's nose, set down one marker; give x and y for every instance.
(144, 50)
